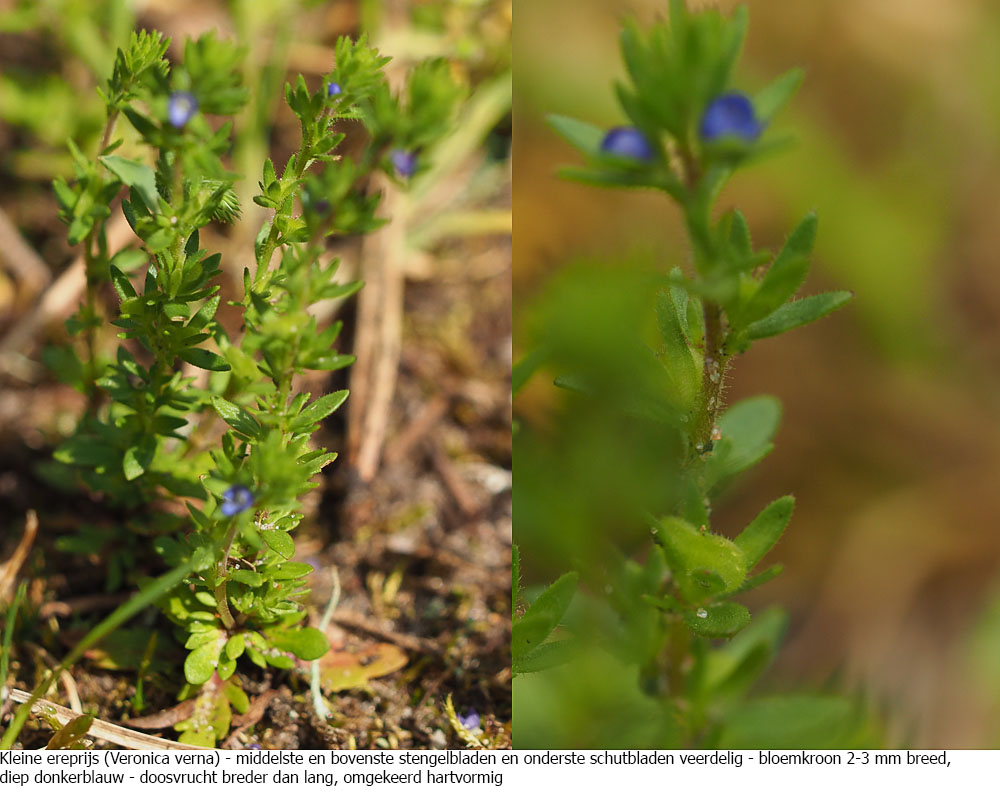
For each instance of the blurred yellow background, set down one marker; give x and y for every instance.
(891, 433)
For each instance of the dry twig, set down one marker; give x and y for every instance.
(9, 570)
(100, 729)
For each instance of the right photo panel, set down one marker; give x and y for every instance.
(757, 375)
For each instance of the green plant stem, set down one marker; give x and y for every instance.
(92, 261)
(149, 594)
(712, 376)
(8, 633)
(222, 570)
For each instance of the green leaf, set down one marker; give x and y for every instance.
(773, 97)
(732, 669)
(289, 570)
(202, 661)
(237, 697)
(319, 410)
(246, 577)
(280, 542)
(760, 579)
(582, 135)
(797, 313)
(237, 418)
(763, 533)
(747, 430)
(328, 362)
(799, 722)
(543, 615)
(227, 666)
(235, 646)
(739, 235)
(70, 736)
(784, 277)
(677, 358)
(205, 359)
(306, 643)
(547, 655)
(702, 564)
(204, 314)
(138, 458)
(719, 621)
(136, 175)
(123, 286)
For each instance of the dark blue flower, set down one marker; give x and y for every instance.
(730, 115)
(236, 498)
(470, 720)
(254, 746)
(180, 108)
(626, 142)
(333, 89)
(404, 161)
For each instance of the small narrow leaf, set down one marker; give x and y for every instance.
(582, 135)
(763, 533)
(785, 276)
(123, 286)
(773, 97)
(718, 621)
(319, 410)
(205, 359)
(677, 357)
(797, 313)
(238, 419)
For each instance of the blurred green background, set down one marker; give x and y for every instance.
(890, 437)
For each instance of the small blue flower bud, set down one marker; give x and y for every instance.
(730, 115)
(180, 108)
(404, 161)
(626, 142)
(333, 89)
(236, 498)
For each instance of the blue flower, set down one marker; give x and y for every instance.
(236, 498)
(730, 115)
(405, 162)
(180, 108)
(333, 89)
(470, 720)
(626, 142)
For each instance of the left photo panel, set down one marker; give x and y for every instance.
(255, 374)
